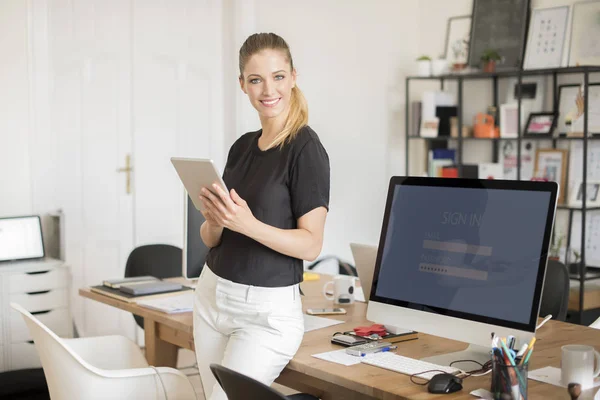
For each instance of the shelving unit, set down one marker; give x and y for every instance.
(585, 273)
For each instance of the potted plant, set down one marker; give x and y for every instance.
(574, 261)
(489, 59)
(439, 66)
(557, 243)
(424, 66)
(459, 49)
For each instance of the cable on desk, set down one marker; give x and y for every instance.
(485, 369)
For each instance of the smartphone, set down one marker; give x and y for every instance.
(325, 311)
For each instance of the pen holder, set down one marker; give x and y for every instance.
(509, 382)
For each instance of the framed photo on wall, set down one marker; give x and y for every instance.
(546, 38)
(585, 34)
(592, 194)
(458, 34)
(551, 165)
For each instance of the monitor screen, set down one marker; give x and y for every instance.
(194, 249)
(470, 252)
(21, 238)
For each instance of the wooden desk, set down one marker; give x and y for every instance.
(165, 333)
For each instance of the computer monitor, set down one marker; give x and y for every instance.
(21, 238)
(462, 259)
(194, 249)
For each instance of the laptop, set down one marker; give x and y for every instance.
(365, 257)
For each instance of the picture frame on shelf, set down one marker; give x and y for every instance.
(509, 120)
(546, 37)
(592, 194)
(584, 48)
(570, 110)
(551, 165)
(540, 124)
(500, 26)
(458, 34)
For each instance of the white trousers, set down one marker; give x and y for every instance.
(253, 330)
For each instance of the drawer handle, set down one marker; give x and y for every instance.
(40, 312)
(42, 292)
(37, 272)
(30, 341)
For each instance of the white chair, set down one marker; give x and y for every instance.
(103, 367)
(595, 324)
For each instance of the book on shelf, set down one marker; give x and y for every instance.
(439, 158)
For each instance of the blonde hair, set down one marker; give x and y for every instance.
(298, 114)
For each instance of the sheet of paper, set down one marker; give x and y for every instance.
(312, 322)
(339, 357)
(171, 304)
(551, 375)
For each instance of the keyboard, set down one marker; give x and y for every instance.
(407, 366)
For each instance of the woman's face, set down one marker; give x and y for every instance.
(268, 82)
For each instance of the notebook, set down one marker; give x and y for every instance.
(130, 298)
(116, 283)
(141, 289)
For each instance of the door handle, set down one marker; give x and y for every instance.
(127, 169)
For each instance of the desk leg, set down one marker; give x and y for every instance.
(158, 352)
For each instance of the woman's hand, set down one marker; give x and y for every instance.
(229, 211)
(208, 216)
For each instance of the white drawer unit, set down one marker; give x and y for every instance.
(42, 300)
(38, 280)
(42, 288)
(53, 319)
(24, 355)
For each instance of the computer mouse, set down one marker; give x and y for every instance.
(444, 383)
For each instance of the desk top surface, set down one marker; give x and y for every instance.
(378, 382)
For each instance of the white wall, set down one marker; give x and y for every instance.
(15, 97)
(351, 60)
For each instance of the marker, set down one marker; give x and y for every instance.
(521, 353)
(527, 356)
(512, 363)
(529, 346)
(510, 341)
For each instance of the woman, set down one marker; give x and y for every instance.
(247, 309)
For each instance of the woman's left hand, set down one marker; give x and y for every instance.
(230, 211)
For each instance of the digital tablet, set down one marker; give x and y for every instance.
(196, 173)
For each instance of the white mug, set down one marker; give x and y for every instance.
(343, 289)
(577, 365)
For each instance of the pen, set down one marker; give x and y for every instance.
(380, 350)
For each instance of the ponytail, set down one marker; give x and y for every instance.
(296, 120)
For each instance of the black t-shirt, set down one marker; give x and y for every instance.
(280, 185)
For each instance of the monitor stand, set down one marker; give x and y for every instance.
(472, 352)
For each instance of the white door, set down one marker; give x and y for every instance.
(140, 78)
(177, 106)
(90, 106)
